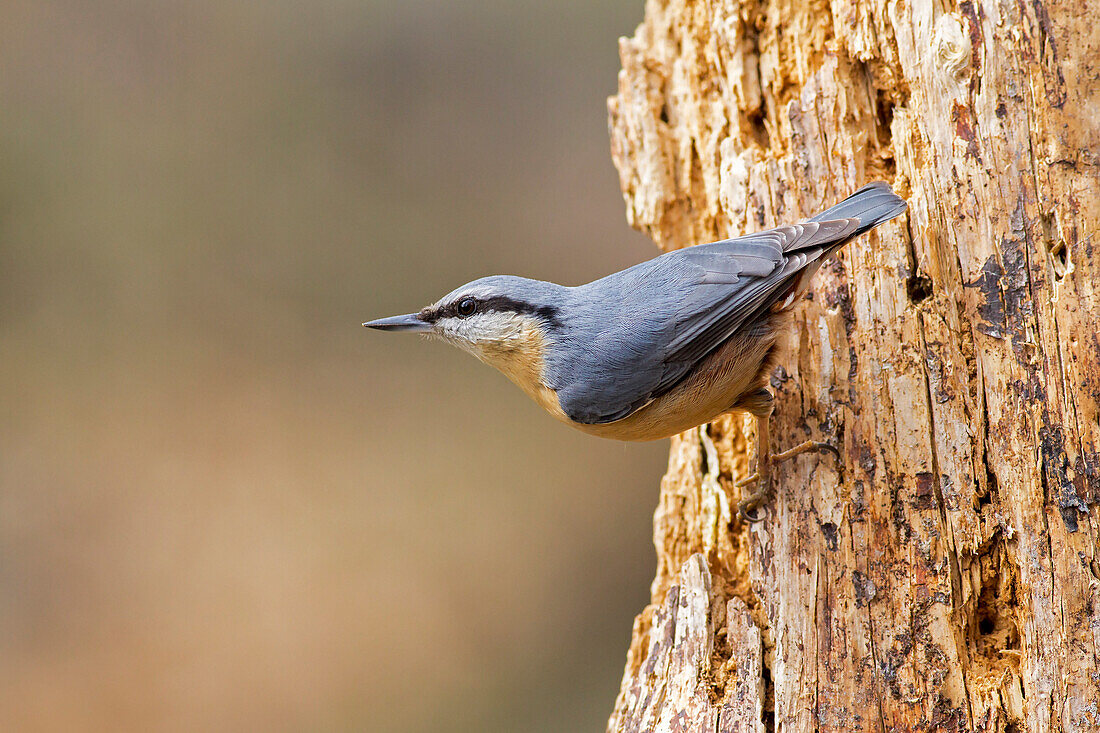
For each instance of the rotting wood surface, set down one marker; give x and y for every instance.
(944, 576)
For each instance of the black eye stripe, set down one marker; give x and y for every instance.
(495, 303)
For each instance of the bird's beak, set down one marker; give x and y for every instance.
(410, 323)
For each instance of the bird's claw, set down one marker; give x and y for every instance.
(747, 480)
(759, 496)
(754, 499)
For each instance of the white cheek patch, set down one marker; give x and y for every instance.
(495, 328)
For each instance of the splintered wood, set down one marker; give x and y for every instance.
(944, 575)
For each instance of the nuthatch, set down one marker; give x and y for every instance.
(663, 346)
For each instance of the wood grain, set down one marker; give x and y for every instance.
(943, 576)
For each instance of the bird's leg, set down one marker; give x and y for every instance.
(760, 405)
(761, 480)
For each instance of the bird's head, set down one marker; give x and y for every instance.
(498, 319)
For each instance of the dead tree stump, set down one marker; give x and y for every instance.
(944, 575)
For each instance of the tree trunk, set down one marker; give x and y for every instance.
(943, 575)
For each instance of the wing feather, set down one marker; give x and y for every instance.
(695, 299)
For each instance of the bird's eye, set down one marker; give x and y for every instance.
(466, 307)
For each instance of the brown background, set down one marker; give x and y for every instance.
(223, 505)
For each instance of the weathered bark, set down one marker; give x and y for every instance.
(943, 576)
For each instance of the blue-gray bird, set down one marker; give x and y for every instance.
(663, 346)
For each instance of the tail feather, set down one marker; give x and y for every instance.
(871, 205)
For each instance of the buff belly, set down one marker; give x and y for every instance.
(721, 383)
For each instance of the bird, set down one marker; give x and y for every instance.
(663, 346)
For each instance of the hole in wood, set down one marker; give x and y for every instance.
(918, 287)
(1059, 259)
(995, 634)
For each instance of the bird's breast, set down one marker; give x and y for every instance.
(522, 359)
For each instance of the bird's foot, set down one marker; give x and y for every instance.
(809, 446)
(754, 499)
(757, 497)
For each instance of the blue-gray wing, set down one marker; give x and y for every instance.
(639, 332)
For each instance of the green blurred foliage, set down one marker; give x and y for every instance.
(223, 505)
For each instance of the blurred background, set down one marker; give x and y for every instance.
(223, 504)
